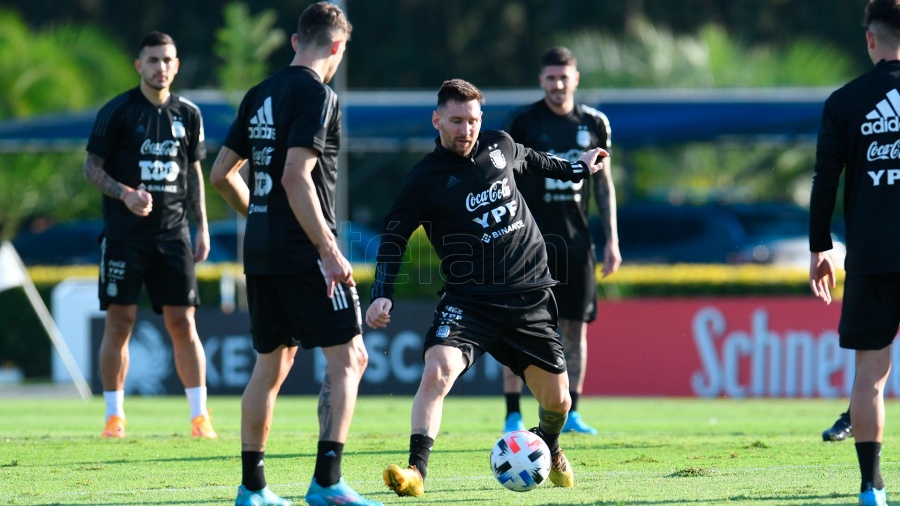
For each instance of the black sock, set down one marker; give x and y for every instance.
(512, 403)
(253, 472)
(869, 456)
(419, 451)
(328, 463)
(575, 396)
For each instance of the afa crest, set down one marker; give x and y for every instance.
(583, 137)
(497, 158)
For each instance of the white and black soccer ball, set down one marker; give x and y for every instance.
(520, 460)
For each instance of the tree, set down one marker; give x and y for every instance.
(57, 68)
(654, 57)
(244, 45)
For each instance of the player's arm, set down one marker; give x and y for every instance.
(605, 197)
(545, 165)
(301, 193)
(831, 156)
(226, 179)
(138, 202)
(196, 200)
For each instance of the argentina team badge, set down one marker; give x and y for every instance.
(583, 137)
(178, 130)
(497, 158)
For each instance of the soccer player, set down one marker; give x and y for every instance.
(300, 287)
(496, 297)
(557, 125)
(144, 155)
(859, 129)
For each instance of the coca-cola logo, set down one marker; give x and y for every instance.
(883, 151)
(497, 191)
(164, 148)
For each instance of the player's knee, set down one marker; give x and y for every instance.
(181, 331)
(438, 378)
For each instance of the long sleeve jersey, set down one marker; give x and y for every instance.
(860, 134)
(474, 216)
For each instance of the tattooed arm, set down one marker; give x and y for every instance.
(196, 203)
(138, 202)
(605, 196)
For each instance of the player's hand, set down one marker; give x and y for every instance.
(139, 202)
(379, 313)
(821, 275)
(593, 159)
(335, 268)
(612, 258)
(201, 245)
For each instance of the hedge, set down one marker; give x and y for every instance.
(24, 343)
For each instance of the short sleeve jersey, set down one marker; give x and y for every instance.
(148, 147)
(290, 109)
(560, 208)
(860, 134)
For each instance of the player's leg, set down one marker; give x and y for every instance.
(114, 359)
(574, 337)
(276, 347)
(172, 286)
(512, 391)
(867, 412)
(190, 363)
(577, 303)
(443, 365)
(257, 411)
(551, 390)
(122, 264)
(870, 315)
(533, 349)
(346, 364)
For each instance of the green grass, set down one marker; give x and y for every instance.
(649, 451)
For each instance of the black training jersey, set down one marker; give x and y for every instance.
(290, 109)
(474, 216)
(860, 134)
(560, 208)
(148, 147)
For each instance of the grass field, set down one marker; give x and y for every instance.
(649, 451)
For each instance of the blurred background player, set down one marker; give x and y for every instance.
(144, 155)
(558, 125)
(856, 138)
(300, 287)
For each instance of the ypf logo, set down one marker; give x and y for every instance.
(263, 184)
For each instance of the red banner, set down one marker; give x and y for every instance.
(754, 347)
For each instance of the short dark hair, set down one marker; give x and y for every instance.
(154, 39)
(558, 55)
(321, 23)
(458, 90)
(883, 19)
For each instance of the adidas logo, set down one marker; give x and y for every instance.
(331, 454)
(262, 126)
(885, 117)
(262, 463)
(453, 181)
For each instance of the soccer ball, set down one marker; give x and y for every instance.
(520, 460)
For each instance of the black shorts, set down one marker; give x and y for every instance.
(576, 293)
(294, 309)
(165, 266)
(870, 311)
(516, 329)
